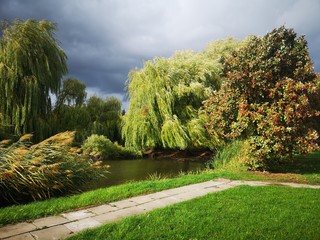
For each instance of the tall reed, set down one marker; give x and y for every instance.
(50, 168)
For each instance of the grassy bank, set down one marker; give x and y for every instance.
(104, 195)
(239, 213)
(308, 172)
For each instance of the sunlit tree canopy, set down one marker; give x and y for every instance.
(166, 97)
(31, 67)
(270, 97)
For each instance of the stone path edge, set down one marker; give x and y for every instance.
(67, 224)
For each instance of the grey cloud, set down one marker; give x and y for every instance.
(105, 39)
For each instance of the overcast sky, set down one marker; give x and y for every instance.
(105, 39)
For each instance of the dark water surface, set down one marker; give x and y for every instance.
(122, 171)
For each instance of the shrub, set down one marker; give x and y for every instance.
(270, 97)
(232, 155)
(50, 168)
(100, 146)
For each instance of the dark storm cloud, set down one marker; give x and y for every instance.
(104, 39)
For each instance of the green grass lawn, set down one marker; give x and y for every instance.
(306, 166)
(18, 213)
(244, 212)
(308, 172)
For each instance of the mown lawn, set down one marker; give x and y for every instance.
(305, 170)
(18, 213)
(306, 166)
(244, 212)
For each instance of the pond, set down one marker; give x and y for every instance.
(122, 171)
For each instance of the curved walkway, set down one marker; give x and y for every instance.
(67, 224)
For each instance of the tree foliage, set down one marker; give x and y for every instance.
(166, 96)
(97, 116)
(73, 92)
(106, 117)
(100, 147)
(269, 96)
(31, 66)
(69, 118)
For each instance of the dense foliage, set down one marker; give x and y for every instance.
(47, 169)
(100, 147)
(93, 116)
(106, 117)
(73, 92)
(269, 97)
(234, 155)
(31, 67)
(166, 96)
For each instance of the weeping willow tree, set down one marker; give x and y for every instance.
(31, 67)
(166, 97)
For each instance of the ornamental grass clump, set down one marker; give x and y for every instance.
(232, 155)
(50, 168)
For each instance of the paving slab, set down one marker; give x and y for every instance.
(105, 208)
(82, 224)
(205, 191)
(141, 199)
(255, 183)
(50, 221)
(77, 215)
(298, 185)
(16, 229)
(26, 236)
(232, 184)
(123, 203)
(152, 205)
(116, 215)
(159, 195)
(52, 233)
(175, 191)
(170, 200)
(212, 189)
(209, 184)
(225, 186)
(187, 196)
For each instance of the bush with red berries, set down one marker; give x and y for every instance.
(270, 97)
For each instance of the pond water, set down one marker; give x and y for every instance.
(122, 171)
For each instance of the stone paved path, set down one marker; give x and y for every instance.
(67, 224)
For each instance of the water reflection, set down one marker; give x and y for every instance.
(122, 171)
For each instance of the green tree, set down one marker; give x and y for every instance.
(69, 118)
(73, 92)
(70, 112)
(95, 107)
(269, 97)
(166, 96)
(97, 116)
(31, 66)
(105, 117)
